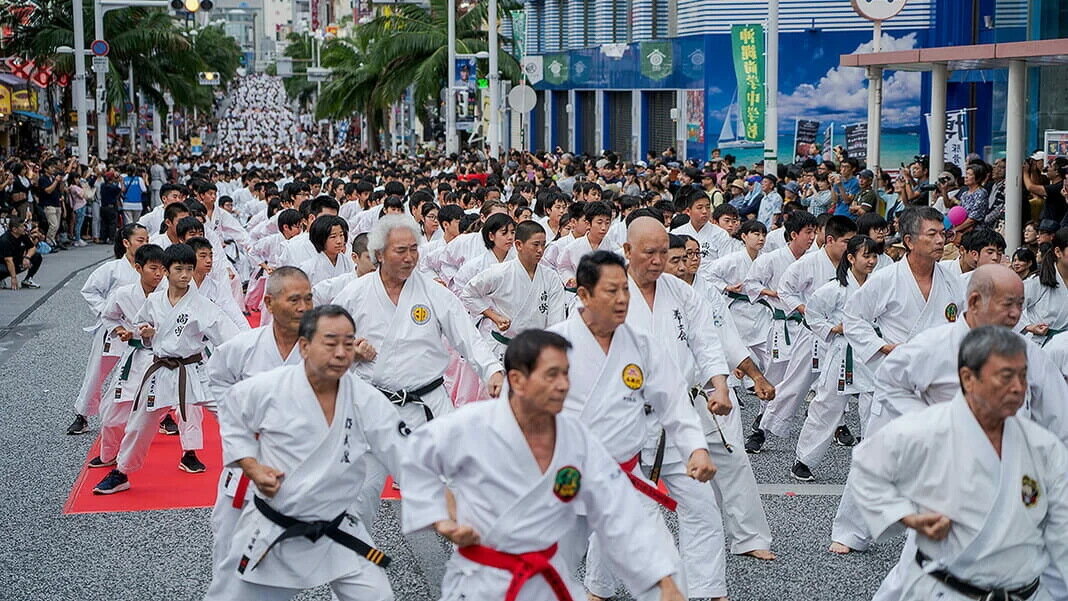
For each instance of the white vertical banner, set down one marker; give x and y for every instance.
(957, 134)
(532, 68)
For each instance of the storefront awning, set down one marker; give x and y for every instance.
(45, 121)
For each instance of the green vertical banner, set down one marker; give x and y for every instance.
(747, 46)
(519, 32)
(556, 68)
(656, 59)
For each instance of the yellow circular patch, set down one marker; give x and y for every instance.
(420, 314)
(633, 376)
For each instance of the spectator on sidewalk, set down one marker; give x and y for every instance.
(18, 253)
(110, 194)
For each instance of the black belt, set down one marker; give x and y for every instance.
(404, 397)
(975, 592)
(313, 531)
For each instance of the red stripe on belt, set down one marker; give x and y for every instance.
(239, 494)
(523, 567)
(645, 488)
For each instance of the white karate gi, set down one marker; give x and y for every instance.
(554, 250)
(482, 456)
(297, 250)
(327, 290)
(569, 257)
(1008, 513)
(753, 319)
(319, 267)
(219, 293)
(1043, 304)
(275, 417)
(104, 352)
(609, 392)
(479, 262)
(408, 338)
(712, 239)
(152, 220)
(507, 289)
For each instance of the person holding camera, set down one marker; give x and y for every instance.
(1054, 206)
(19, 253)
(52, 186)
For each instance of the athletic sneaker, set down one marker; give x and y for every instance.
(80, 243)
(79, 426)
(114, 482)
(28, 283)
(190, 463)
(843, 437)
(801, 472)
(96, 462)
(755, 443)
(756, 422)
(168, 426)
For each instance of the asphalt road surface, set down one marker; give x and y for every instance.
(165, 555)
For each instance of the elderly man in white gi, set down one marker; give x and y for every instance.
(622, 373)
(300, 434)
(403, 315)
(545, 467)
(983, 489)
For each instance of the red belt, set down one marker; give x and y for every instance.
(644, 487)
(239, 494)
(523, 567)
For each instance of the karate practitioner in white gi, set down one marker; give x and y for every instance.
(983, 489)
(299, 433)
(544, 468)
(329, 236)
(711, 237)
(622, 372)
(726, 276)
(327, 290)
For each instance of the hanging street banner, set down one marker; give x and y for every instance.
(956, 150)
(656, 59)
(747, 47)
(857, 140)
(827, 146)
(533, 68)
(805, 133)
(556, 68)
(519, 32)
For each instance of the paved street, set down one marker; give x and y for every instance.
(165, 554)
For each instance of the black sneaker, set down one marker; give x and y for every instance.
(756, 422)
(96, 462)
(843, 437)
(114, 482)
(801, 472)
(755, 443)
(168, 426)
(190, 463)
(80, 425)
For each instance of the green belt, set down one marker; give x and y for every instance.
(1050, 334)
(571, 290)
(738, 296)
(793, 316)
(137, 344)
(500, 337)
(849, 359)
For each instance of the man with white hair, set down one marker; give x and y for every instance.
(981, 489)
(403, 315)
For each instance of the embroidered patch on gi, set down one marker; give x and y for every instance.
(242, 564)
(420, 314)
(403, 429)
(567, 483)
(1029, 491)
(951, 312)
(633, 377)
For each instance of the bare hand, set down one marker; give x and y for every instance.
(719, 401)
(146, 331)
(364, 350)
(1039, 329)
(737, 288)
(669, 591)
(934, 526)
(267, 479)
(461, 536)
(700, 466)
(502, 323)
(837, 329)
(764, 389)
(496, 382)
(123, 334)
(886, 349)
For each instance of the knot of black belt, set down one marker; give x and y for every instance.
(178, 363)
(401, 398)
(314, 530)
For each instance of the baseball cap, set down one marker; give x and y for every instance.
(866, 173)
(1048, 226)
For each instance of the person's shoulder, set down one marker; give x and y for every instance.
(244, 341)
(267, 383)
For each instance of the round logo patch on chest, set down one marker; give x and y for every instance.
(633, 376)
(567, 483)
(951, 312)
(1029, 491)
(420, 314)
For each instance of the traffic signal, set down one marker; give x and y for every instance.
(192, 6)
(208, 78)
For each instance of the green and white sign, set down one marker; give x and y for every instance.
(556, 68)
(656, 59)
(747, 45)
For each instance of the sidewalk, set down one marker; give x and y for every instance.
(56, 271)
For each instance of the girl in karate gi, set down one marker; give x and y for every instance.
(1046, 297)
(329, 234)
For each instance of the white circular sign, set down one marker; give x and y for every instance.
(878, 10)
(522, 99)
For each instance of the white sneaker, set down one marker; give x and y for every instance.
(80, 243)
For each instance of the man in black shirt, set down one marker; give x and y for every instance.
(1054, 206)
(18, 253)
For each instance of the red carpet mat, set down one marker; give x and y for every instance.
(159, 484)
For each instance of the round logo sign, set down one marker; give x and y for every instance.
(878, 10)
(567, 483)
(633, 377)
(420, 314)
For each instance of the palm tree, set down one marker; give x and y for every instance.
(299, 49)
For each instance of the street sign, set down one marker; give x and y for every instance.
(522, 98)
(878, 10)
(100, 64)
(122, 131)
(318, 74)
(142, 131)
(208, 78)
(100, 47)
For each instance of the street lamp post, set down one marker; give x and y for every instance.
(771, 78)
(452, 141)
(494, 84)
(79, 81)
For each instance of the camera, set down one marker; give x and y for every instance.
(928, 188)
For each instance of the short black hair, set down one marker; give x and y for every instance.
(592, 265)
(838, 226)
(677, 241)
(870, 221)
(525, 348)
(450, 213)
(149, 253)
(359, 243)
(526, 229)
(167, 188)
(188, 224)
(309, 322)
(797, 221)
(179, 254)
(320, 229)
(288, 217)
(319, 204)
(597, 208)
(495, 223)
(752, 226)
(982, 237)
(724, 209)
(173, 210)
(198, 244)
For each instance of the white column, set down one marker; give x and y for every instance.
(101, 93)
(936, 130)
(79, 81)
(1015, 138)
(452, 141)
(875, 102)
(572, 120)
(157, 128)
(494, 84)
(598, 116)
(771, 79)
(635, 125)
(132, 117)
(680, 124)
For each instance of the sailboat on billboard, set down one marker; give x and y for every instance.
(733, 133)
